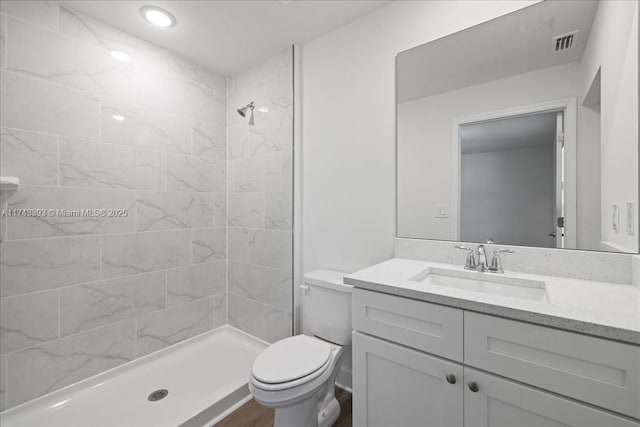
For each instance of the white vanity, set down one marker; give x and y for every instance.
(432, 346)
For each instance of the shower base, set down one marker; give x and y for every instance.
(194, 383)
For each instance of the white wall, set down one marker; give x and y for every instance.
(508, 196)
(425, 135)
(613, 47)
(588, 170)
(348, 126)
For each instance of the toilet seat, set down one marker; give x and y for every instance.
(291, 361)
(286, 393)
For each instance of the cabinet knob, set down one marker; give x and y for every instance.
(473, 386)
(451, 379)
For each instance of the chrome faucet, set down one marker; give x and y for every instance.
(470, 262)
(496, 262)
(481, 263)
(482, 259)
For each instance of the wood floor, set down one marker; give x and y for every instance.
(252, 414)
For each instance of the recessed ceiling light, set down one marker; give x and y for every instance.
(117, 117)
(120, 56)
(158, 16)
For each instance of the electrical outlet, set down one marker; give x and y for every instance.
(631, 218)
(615, 218)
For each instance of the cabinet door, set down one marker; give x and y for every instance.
(593, 370)
(395, 386)
(502, 403)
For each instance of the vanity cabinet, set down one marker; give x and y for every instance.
(502, 403)
(421, 364)
(399, 386)
(597, 371)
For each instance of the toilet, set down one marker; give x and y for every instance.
(296, 375)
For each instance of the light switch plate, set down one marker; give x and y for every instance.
(442, 211)
(631, 218)
(615, 218)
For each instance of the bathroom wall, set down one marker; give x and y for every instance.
(82, 294)
(424, 126)
(612, 49)
(260, 199)
(348, 126)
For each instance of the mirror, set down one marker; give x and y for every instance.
(524, 130)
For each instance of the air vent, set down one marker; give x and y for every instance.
(564, 42)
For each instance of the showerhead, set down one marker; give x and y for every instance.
(243, 111)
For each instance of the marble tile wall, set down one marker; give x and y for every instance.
(260, 199)
(82, 294)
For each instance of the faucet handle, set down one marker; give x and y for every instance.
(470, 262)
(496, 262)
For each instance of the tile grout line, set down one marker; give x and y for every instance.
(89, 141)
(59, 311)
(70, 336)
(226, 201)
(59, 161)
(6, 384)
(58, 23)
(104, 282)
(121, 233)
(135, 337)
(101, 243)
(117, 321)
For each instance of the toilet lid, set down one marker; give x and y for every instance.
(290, 359)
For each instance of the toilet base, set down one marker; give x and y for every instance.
(309, 413)
(302, 414)
(330, 413)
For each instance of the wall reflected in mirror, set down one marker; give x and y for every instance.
(524, 130)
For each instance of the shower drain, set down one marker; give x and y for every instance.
(158, 395)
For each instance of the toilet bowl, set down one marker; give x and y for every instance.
(296, 375)
(295, 370)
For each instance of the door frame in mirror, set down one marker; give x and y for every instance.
(569, 106)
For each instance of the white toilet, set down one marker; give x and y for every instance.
(296, 375)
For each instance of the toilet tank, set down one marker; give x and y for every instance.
(326, 306)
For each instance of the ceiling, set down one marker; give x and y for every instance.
(512, 44)
(509, 134)
(228, 36)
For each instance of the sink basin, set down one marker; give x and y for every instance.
(485, 283)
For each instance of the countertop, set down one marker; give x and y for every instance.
(602, 309)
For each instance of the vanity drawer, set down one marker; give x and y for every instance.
(594, 370)
(428, 327)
